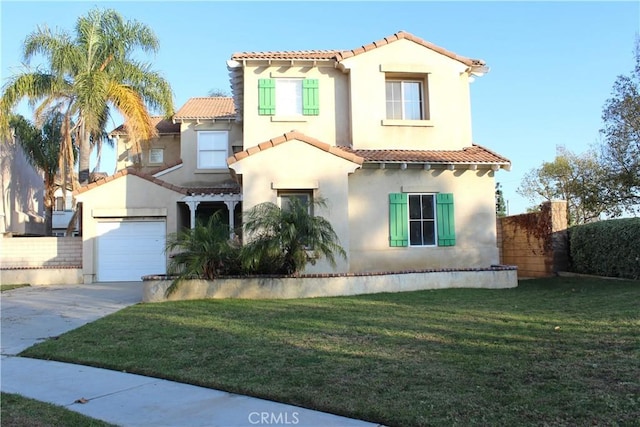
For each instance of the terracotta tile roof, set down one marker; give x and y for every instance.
(339, 55)
(475, 154)
(187, 191)
(125, 172)
(162, 125)
(217, 107)
(165, 167)
(221, 189)
(299, 136)
(290, 54)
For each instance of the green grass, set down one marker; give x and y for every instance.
(18, 411)
(562, 351)
(4, 287)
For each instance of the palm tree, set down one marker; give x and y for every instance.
(42, 148)
(87, 74)
(204, 251)
(280, 240)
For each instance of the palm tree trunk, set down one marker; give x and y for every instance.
(49, 200)
(85, 156)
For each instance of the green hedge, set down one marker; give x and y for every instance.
(606, 248)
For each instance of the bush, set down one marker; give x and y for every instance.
(204, 251)
(606, 248)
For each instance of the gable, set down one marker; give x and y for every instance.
(127, 189)
(321, 148)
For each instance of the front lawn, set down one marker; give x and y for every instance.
(18, 411)
(562, 351)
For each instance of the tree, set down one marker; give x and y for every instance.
(88, 73)
(218, 92)
(578, 179)
(43, 150)
(620, 155)
(204, 251)
(279, 240)
(501, 206)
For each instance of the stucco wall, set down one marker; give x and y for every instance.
(189, 175)
(448, 95)
(296, 165)
(21, 207)
(328, 285)
(169, 143)
(126, 197)
(474, 209)
(330, 126)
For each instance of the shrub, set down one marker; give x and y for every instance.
(281, 240)
(606, 248)
(204, 251)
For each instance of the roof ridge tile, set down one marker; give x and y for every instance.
(299, 136)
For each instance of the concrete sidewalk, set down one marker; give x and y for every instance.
(31, 315)
(135, 400)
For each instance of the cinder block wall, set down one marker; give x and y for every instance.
(40, 252)
(535, 242)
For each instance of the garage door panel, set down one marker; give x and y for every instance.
(128, 250)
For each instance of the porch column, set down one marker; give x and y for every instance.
(193, 205)
(231, 206)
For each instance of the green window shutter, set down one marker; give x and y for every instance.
(445, 219)
(398, 220)
(310, 97)
(266, 97)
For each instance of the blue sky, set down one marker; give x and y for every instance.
(553, 64)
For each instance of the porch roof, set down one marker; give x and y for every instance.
(474, 155)
(187, 191)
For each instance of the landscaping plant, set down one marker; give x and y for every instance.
(282, 241)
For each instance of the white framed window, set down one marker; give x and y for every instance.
(422, 220)
(59, 206)
(213, 149)
(288, 97)
(156, 155)
(406, 99)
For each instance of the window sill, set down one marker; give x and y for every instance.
(288, 118)
(212, 170)
(414, 123)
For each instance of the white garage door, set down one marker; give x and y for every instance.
(128, 250)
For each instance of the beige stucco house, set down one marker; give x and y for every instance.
(382, 133)
(22, 207)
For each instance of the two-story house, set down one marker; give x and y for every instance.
(382, 133)
(22, 207)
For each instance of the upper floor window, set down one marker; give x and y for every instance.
(156, 155)
(213, 149)
(288, 97)
(406, 99)
(59, 206)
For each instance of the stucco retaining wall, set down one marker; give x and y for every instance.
(41, 276)
(326, 285)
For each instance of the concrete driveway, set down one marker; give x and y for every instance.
(34, 314)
